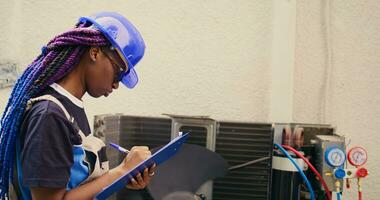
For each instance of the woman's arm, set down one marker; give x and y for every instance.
(90, 189)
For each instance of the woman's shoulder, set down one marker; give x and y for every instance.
(45, 107)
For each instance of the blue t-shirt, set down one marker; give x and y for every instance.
(47, 139)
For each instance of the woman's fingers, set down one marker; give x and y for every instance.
(140, 181)
(151, 170)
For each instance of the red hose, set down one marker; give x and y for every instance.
(360, 195)
(312, 169)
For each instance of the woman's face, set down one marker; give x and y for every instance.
(103, 72)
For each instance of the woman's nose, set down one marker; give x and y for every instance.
(115, 85)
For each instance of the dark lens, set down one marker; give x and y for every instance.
(119, 72)
(120, 75)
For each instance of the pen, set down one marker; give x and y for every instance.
(119, 148)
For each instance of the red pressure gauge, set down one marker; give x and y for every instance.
(357, 156)
(362, 173)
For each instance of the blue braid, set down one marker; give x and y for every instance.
(12, 100)
(57, 59)
(11, 120)
(16, 88)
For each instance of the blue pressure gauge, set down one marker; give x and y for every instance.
(339, 173)
(335, 157)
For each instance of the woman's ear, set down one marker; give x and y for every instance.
(94, 52)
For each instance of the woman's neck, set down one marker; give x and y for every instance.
(74, 82)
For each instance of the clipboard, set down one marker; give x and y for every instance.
(159, 157)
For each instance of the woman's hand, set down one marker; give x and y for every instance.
(140, 182)
(136, 155)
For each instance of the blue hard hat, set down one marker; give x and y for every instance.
(124, 37)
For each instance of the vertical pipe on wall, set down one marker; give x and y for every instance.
(283, 61)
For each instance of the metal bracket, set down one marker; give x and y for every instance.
(198, 121)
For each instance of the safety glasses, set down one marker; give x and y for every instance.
(119, 69)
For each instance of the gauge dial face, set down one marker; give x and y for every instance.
(357, 156)
(335, 157)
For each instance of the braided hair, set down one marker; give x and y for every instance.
(58, 58)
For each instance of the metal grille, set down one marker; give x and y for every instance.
(239, 143)
(142, 131)
(129, 131)
(236, 142)
(198, 135)
(146, 131)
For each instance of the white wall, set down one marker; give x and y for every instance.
(341, 87)
(214, 57)
(200, 55)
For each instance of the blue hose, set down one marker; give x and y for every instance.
(338, 195)
(299, 170)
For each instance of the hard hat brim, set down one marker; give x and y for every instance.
(130, 79)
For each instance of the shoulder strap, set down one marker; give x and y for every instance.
(50, 98)
(56, 101)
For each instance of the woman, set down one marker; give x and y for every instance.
(46, 149)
